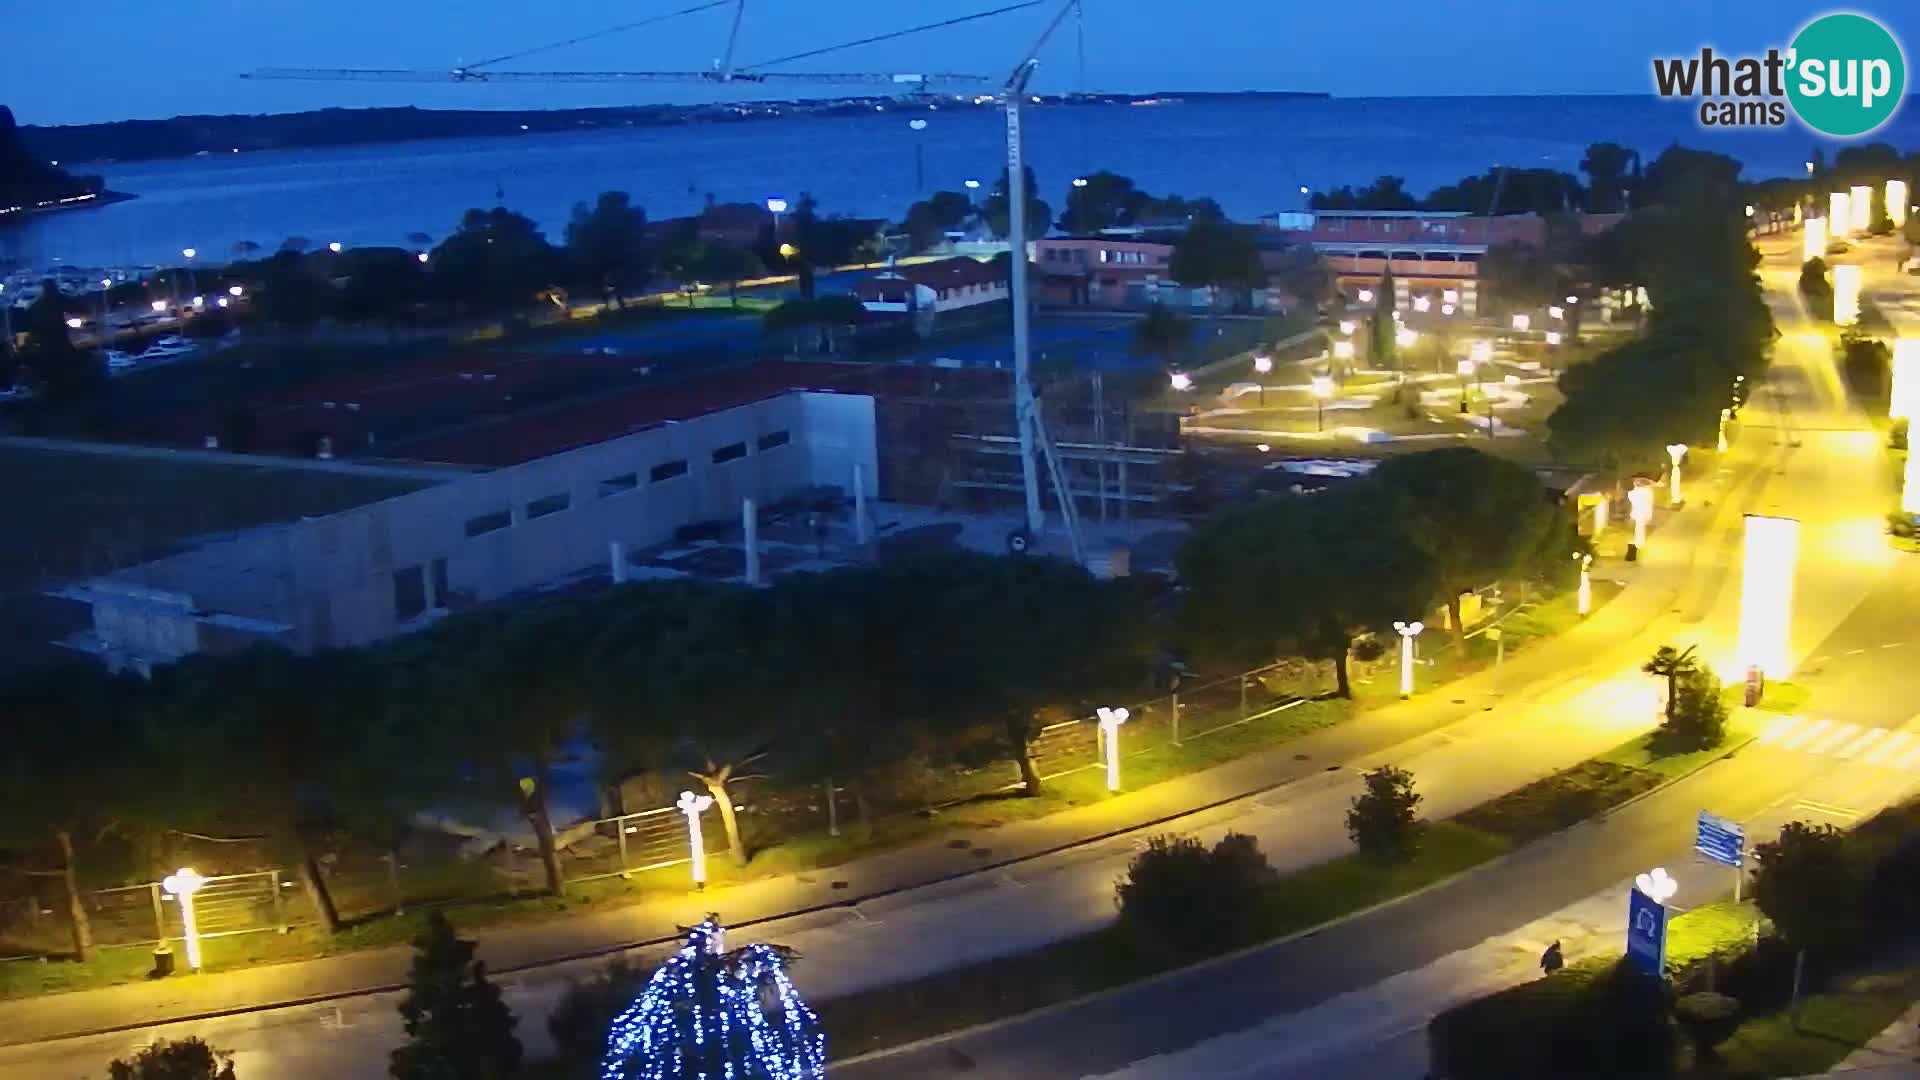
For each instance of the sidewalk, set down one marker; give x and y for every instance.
(1681, 570)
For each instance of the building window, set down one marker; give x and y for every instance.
(409, 593)
(667, 470)
(614, 485)
(1105, 255)
(729, 452)
(773, 440)
(486, 523)
(548, 504)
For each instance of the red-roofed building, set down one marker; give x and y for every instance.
(941, 286)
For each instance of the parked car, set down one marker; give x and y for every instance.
(119, 361)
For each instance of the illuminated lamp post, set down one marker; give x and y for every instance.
(1343, 350)
(1366, 296)
(1556, 312)
(776, 207)
(1405, 337)
(1522, 322)
(1640, 510)
(1408, 631)
(1766, 598)
(1322, 390)
(1465, 370)
(693, 806)
(1720, 436)
(335, 247)
(1602, 513)
(1110, 721)
(1860, 206)
(1897, 203)
(181, 885)
(1553, 337)
(1814, 245)
(1263, 366)
(1180, 380)
(1583, 599)
(1675, 453)
(1904, 398)
(1846, 294)
(1422, 303)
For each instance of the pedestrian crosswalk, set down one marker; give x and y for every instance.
(1849, 742)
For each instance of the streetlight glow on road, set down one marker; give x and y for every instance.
(181, 885)
(1903, 400)
(1766, 593)
(1815, 239)
(1846, 294)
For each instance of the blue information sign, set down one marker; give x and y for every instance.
(1646, 933)
(1721, 840)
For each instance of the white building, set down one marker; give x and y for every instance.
(551, 511)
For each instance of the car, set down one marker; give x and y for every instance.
(119, 361)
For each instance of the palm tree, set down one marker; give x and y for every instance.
(1672, 665)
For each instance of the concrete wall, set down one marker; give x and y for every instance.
(333, 578)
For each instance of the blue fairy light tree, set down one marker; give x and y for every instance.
(709, 1014)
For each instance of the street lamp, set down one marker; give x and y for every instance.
(236, 291)
(1180, 380)
(693, 806)
(1262, 364)
(1657, 884)
(1809, 168)
(1110, 721)
(422, 256)
(1553, 337)
(1720, 436)
(776, 207)
(1675, 452)
(334, 246)
(1366, 296)
(1583, 600)
(973, 185)
(74, 324)
(1602, 512)
(181, 885)
(1422, 303)
(159, 306)
(1322, 390)
(1343, 350)
(1408, 631)
(1640, 509)
(1405, 337)
(1080, 181)
(1465, 370)
(1446, 309)
(1347, 326)
(187, 254)
(1522, 322)
(106, 286)
(1556, 312)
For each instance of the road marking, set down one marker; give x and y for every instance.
(1853, 652)
(1778, 729)
(1808, 734)
(1893, 644)
(1910, 759)
(1866, 739)
(1886, 750)
(1827, 743)
(1828, 809)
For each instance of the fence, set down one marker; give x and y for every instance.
(366, 884)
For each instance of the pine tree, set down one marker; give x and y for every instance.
(458, 1028)
(708, 1013)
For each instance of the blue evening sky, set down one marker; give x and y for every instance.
(119, 59)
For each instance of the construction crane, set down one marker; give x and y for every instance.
(1026, 415)
(724, 69)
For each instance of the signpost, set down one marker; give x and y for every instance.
(1723, 841)
(1646, 933)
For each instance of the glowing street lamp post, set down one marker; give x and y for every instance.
(1675, 453)
(1464, 369)
(1322, 390)
(1766, 599)
(1860, 206)
(1263, 366)
(776, 207)
(181, 885)
(1903, 402)
(1814, 240)
(693, 806)
(1110, 721)
(1720, 436)
(1584, 598)
(1846, 294)
(1897, 203)
(187, 254)
(1408, 631)
(1640, 510)
(1839, 216)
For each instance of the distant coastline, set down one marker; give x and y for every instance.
(206, 136)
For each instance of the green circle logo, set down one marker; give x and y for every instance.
(1847, 75)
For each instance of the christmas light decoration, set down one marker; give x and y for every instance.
(709, 1014)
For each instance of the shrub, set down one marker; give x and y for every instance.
(1897, 435)
(1893, 883)
(1709, 1019)
(186, 1059)
(1806, 882)
(456, 1022)
(1593, 1019)
(1697, 719)
(1864, 361)
(1180, 897)
(1382, 820)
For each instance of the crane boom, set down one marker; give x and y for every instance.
(458, 75)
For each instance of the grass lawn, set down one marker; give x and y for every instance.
(1833, 1024)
